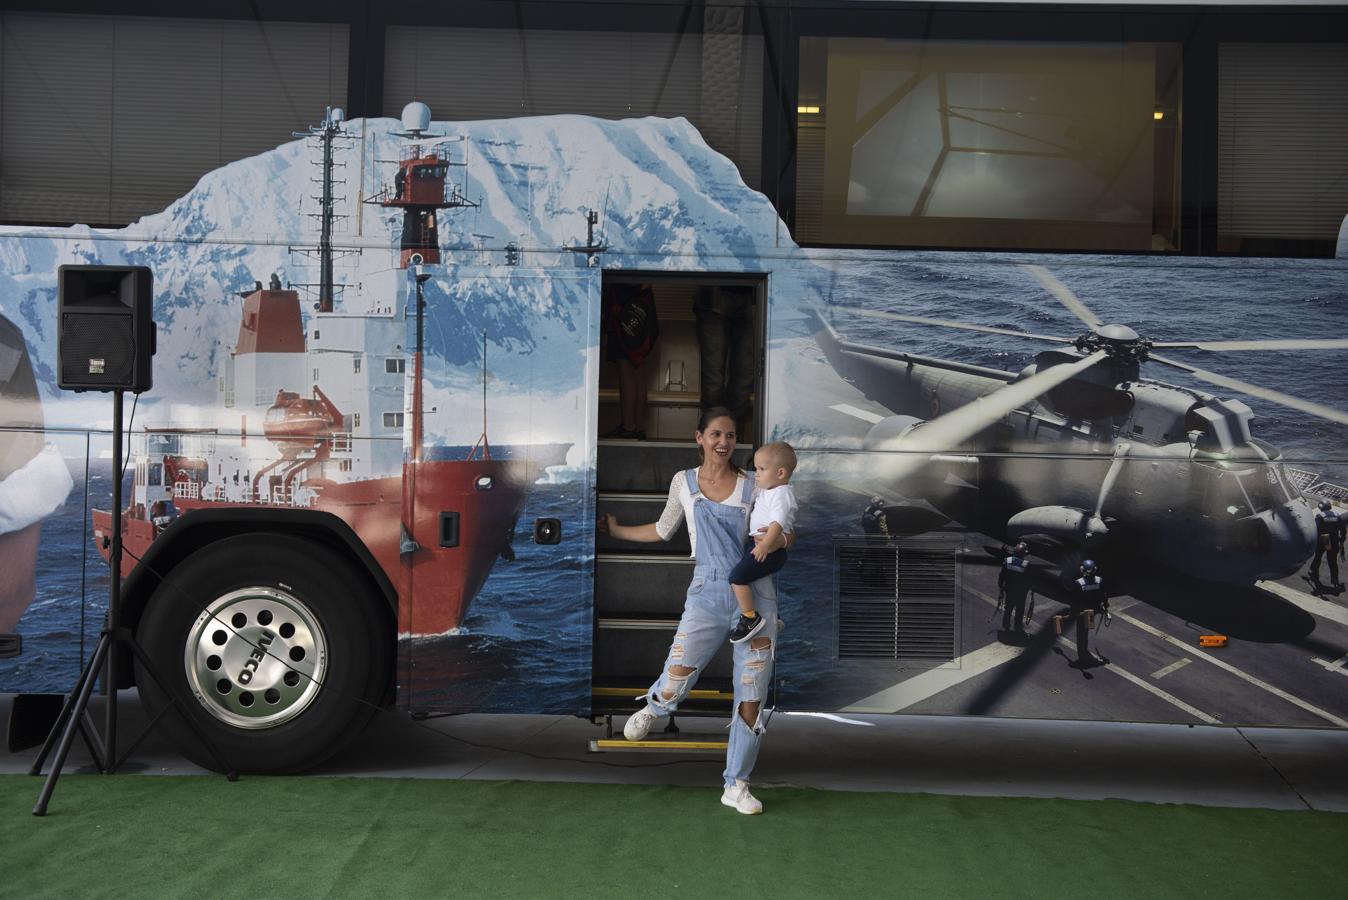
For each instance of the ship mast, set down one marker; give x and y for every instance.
(328, 133)
(421, 186)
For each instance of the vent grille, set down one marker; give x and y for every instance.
(896, 599)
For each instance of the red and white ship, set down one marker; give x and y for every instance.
(320, 421)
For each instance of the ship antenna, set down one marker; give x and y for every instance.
(329, 133)
(486, 447)
(482, 441)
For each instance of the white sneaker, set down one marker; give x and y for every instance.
(739, 798)
(639, 724)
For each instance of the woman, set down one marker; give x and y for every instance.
(714, 501)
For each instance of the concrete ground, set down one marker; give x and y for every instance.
(1274, 768)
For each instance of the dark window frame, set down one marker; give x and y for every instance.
(781, 23)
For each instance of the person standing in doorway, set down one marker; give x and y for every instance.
(713, 500)
(631, 328)
(725, 335)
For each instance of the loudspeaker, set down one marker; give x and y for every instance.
(106, 334)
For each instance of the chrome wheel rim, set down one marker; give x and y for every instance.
(256, 657)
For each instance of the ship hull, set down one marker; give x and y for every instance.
(441, 572)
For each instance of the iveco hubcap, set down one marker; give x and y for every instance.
(256, 657)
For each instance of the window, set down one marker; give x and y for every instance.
(355, 364)
(1282, 136)
(393, 420)
(395, 365)
(151, 103)
(355, 420)
(710, 72)
(988, 144)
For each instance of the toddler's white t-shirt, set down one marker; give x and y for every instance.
(774, 505)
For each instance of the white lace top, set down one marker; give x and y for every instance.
(679, 508)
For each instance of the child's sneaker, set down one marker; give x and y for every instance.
(746, 628)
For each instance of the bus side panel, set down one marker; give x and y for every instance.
(526, 412)
(1195, 501)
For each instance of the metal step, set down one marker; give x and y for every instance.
(633, 693)
(634, 651)
(668, 745)
(641, 583)
(647, 466)
(638, 509)
(622, 698)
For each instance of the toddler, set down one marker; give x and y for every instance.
(774, 508)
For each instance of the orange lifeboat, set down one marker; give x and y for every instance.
(296, 423)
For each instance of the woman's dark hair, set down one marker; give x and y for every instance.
(716, 412)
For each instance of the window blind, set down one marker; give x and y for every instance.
(104, 119)
(1282, 132)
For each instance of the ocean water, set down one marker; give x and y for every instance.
(526, 643)
(62, 625)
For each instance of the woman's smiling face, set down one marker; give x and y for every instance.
(718, 439)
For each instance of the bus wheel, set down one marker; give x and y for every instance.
(274, 651)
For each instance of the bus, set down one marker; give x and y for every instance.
(1056, 286)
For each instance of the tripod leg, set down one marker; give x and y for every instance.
(67, 736)
(58, 727)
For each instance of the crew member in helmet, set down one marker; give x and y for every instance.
(1013, 586)
(1330, 528)
(1088, 600)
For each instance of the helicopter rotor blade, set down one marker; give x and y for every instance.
(1120, 454)
(945, 323)
(1254, 390)
(950, 431)
(1277, 344)
(1065, 296)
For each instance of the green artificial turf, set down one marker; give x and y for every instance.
(202, 837)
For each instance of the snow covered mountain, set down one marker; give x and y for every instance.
(666, 201)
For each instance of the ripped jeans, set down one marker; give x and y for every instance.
(708, 615)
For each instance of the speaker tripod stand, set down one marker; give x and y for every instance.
(74, 715)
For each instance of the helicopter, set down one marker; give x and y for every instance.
(1078, 454)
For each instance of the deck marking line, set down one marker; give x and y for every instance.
(1129, 676)
(1312, 604)
(1223, 664)
(849, 410)
(1174, 666)
(1335, 666)
(914, 690)
(1153, 689)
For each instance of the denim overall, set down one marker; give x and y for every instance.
(708, 615)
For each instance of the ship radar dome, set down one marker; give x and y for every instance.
(337, 115)
(416, 116)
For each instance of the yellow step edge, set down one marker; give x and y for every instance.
(671, 746)
(695, 694)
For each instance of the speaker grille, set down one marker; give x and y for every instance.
(88, 338)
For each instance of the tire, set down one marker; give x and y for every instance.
(279, 652)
